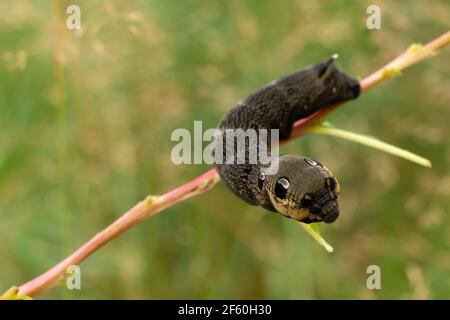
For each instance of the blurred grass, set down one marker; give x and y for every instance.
(139, 69)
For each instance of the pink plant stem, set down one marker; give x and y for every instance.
(206, 181)
(141, 211)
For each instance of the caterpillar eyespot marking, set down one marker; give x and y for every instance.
(311, 162)
(281, 188)
(280, 192)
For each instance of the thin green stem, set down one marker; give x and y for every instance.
(371, 142)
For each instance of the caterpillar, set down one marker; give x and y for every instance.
(301, 188)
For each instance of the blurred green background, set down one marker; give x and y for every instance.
(85, 123)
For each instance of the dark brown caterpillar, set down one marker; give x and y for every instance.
(301, 188)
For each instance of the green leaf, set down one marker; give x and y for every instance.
(315, 226)
(328, 129)
(313, 230)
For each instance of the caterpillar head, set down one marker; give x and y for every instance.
(303, 189)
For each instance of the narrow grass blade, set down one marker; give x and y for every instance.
(372, 142)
